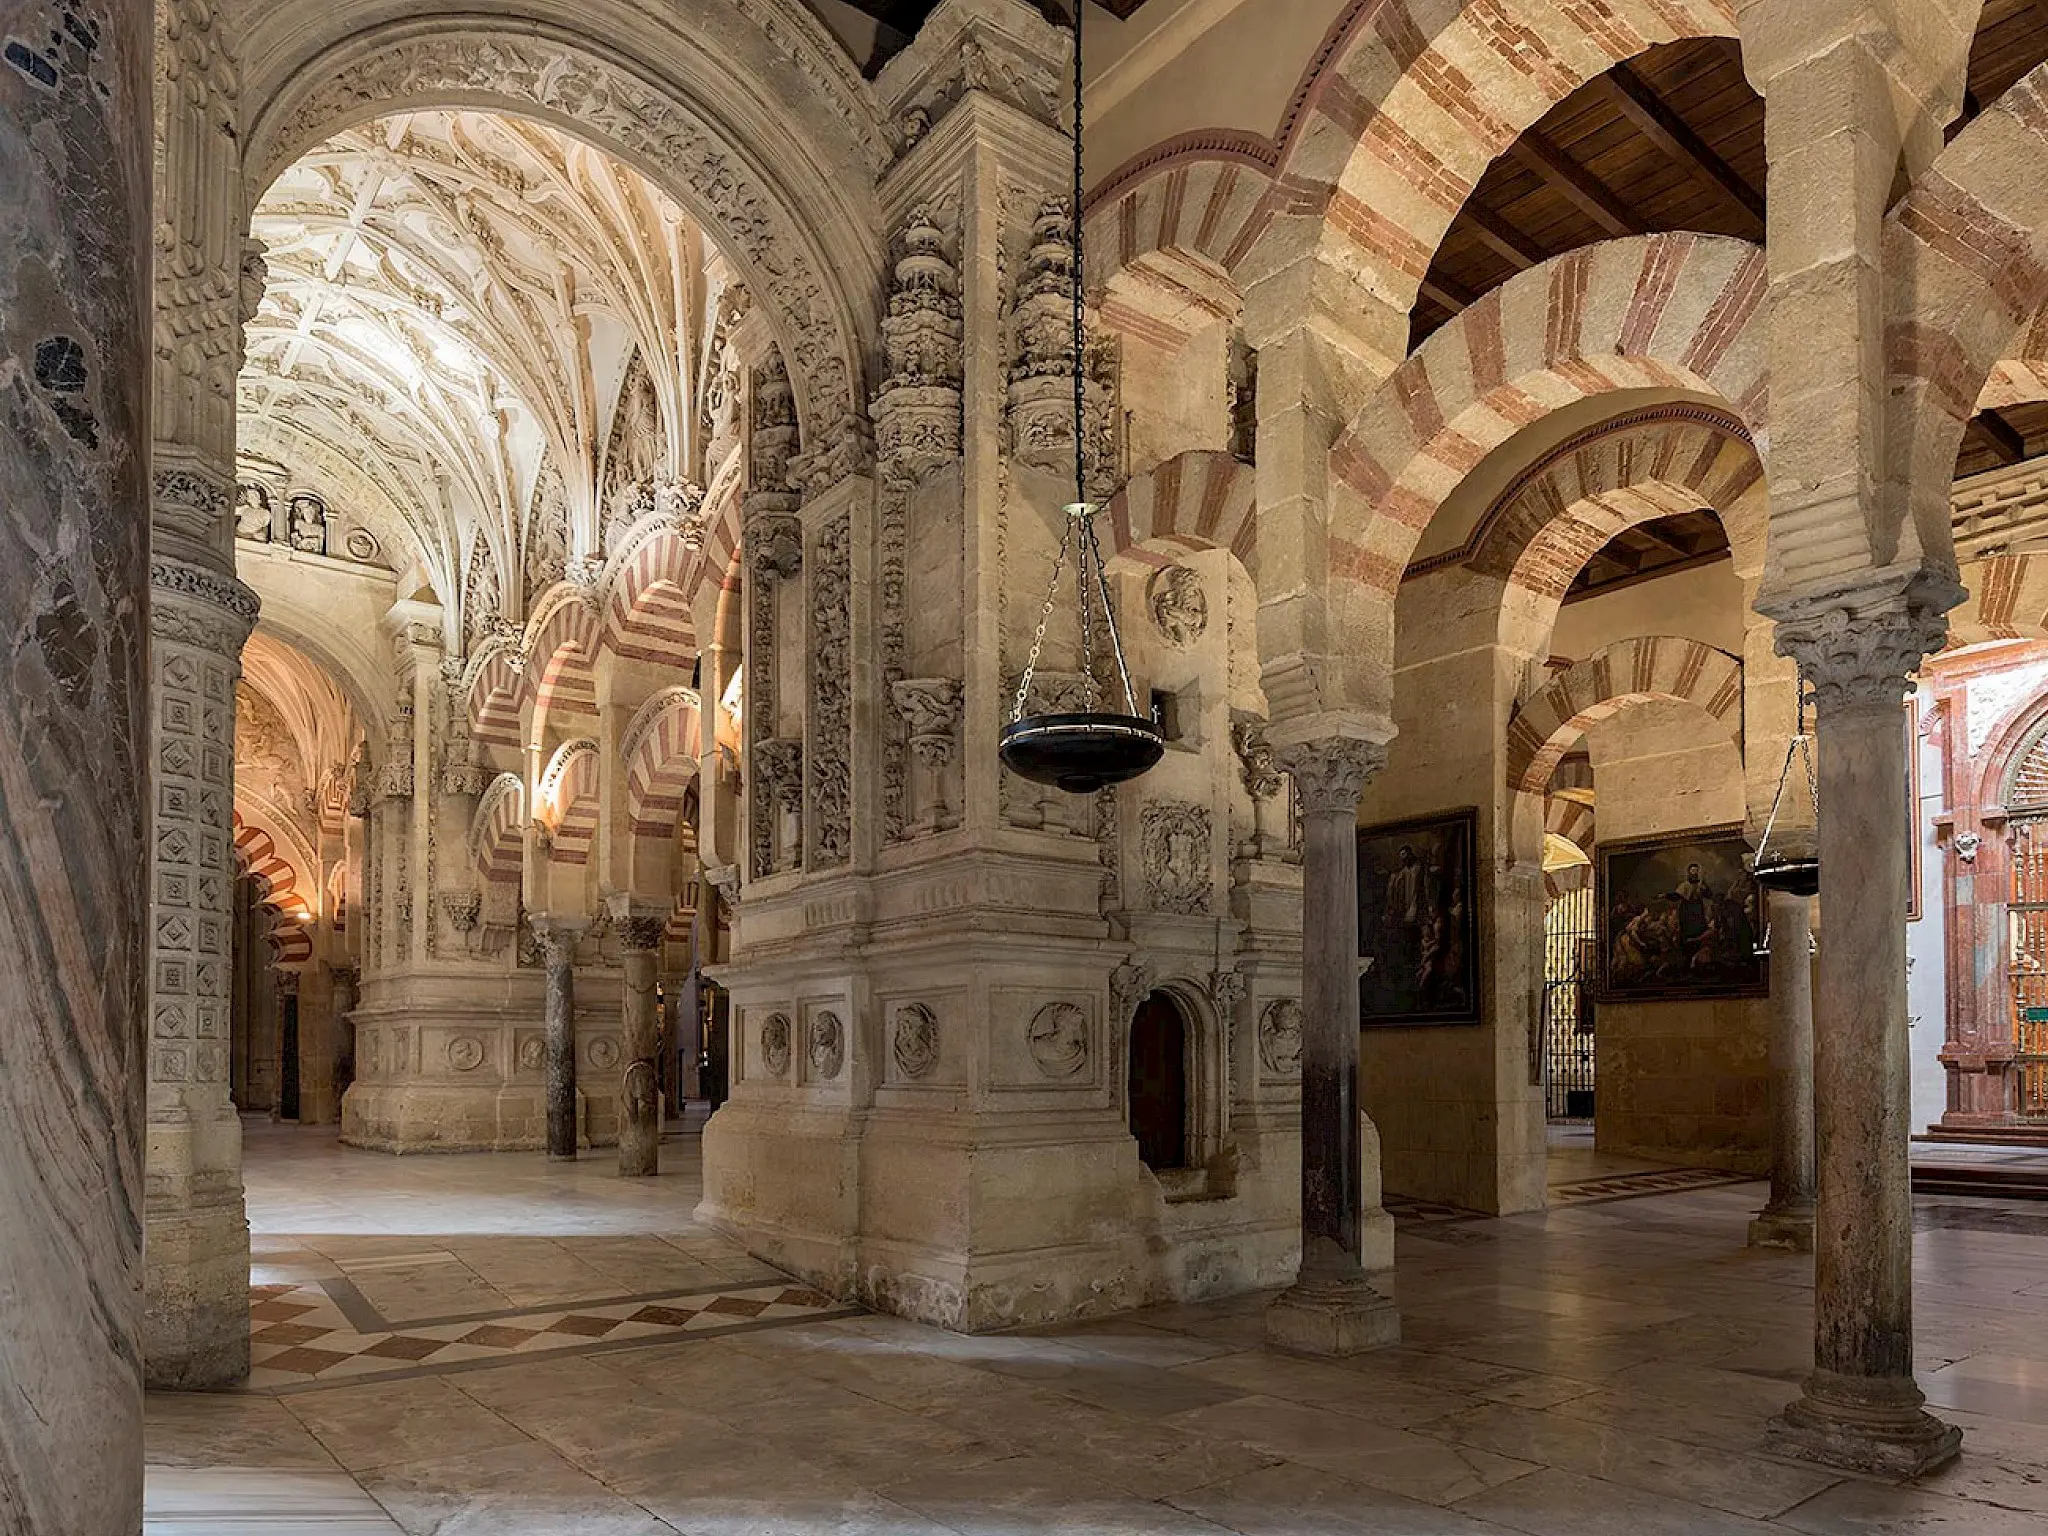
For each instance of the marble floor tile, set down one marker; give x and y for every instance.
(1555, 1503)
(246, 1501)
(378, 1423)
(1857, 1508)
(214, 1429)
(1027, 1495)
(1292, 1500)
(523, 1490)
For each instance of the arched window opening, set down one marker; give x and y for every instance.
(1159, 1082)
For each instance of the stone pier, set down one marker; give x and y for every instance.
(640, 928)
(74, 743)
(559, 937)
(1787, 1220)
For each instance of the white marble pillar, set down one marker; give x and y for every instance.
(74, 734)
(1861, 1407)
(1787, 1220)
(640, 926)
(559, 937)
(1332, 1308)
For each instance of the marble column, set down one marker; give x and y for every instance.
(1861, 1408)
(559, 937)
(74, 732)
(1787, 1220)
(1332, 1308)
(640, 927)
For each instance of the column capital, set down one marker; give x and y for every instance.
(639, 923)
(198, 606)
(1331, 772)
(558, 936)
(1858, 647)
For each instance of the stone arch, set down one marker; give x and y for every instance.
(1202, 202)
(1394, 134)
(660, 749)
(648, 616)
(1656, 311)
(676, 92)
(567, 800)
(494, 685)
(497, 831)
(1196, 500)
(1543, 726)
(1966, 262)
(561, 656)
(257, 852)
(1660, 462)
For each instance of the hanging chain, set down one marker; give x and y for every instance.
(1116, 639)
(1800, 746)
(1080, 300)
(1052, 590)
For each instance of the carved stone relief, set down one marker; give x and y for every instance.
(827, 1047)
(1174, 838)
(829, 756)
(775, 1044)
(915, 1041)
(1058, 1038)
(1280, 1037)
(1179, 609)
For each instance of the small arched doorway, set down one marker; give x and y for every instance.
(1158, 1091)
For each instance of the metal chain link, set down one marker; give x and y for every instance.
(1044, 617)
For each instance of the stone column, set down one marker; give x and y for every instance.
(640, 927)
(559, 937)
(74, 346)
(1787, 1221)
(1861, 1408)
(1332, 1309)
(196, 1318)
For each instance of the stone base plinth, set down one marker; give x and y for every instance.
(428, 1117)
(1333, 1319)
(195, 1318)
(1792, 1230)
(1876, 1426)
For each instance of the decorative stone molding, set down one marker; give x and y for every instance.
(929, 708)
(1129, 985)
(915, 1041)
(192, 605)
(463, 908)
(1058, 1040)
(1178, 606)
(1174, 840)
(1041, 389)
(827, 1047)
(1331, 772)
(917, 409)
(1858, 649)
(613, 106)
(1226, 989)
(1280, 1037)
(992, 47)
(828, 756)
(185, 502)
(775, 1032)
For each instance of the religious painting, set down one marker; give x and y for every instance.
(1418, 925)
(1680, 918)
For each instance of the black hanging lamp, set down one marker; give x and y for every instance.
(1080, 752)
(1794, 874)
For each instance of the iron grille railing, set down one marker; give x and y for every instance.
(1568, 1047)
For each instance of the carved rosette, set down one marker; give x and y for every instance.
(1332, 772)
(1280, 1037)
(1057, 1038)
(915, 1041)
(827, 1048)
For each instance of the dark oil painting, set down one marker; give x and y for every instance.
(1679, 918)
(1418, 926)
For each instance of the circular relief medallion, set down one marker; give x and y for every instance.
(828, 1046)
(1058, 1037)
(916, 1043)
(465, 1053)
(1280, 1037)
(532, 1052)
(361, 544)
(604, 1052)
(775, 1045)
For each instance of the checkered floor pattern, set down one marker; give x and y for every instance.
(300, 1335)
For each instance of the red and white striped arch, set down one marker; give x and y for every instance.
(497, 684)
(561, 657)
(1672, 311)
(1198, 500)
(660, 749)
(1543, 727)
(258, 853)
(568, 800)
(497, 835)
(648, 615)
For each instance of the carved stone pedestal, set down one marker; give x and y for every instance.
(1864, 1424)
(1345, 1317)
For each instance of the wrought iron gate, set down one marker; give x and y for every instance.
(2027, 964)
(1568, 950)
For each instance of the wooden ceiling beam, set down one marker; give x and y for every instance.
(1657, 534)
(2005, 441)
(1642, 106)
(1502, 238)
(1447, 295)
(1580, 186)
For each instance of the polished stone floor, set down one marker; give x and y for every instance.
(1603, 1369)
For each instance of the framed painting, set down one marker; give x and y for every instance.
(1679, 918)
(1418, 925)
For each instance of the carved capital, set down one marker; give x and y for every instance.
(1858, 649)
(192, 605)
(1330, 773)
(558, 937)
(640, 925)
